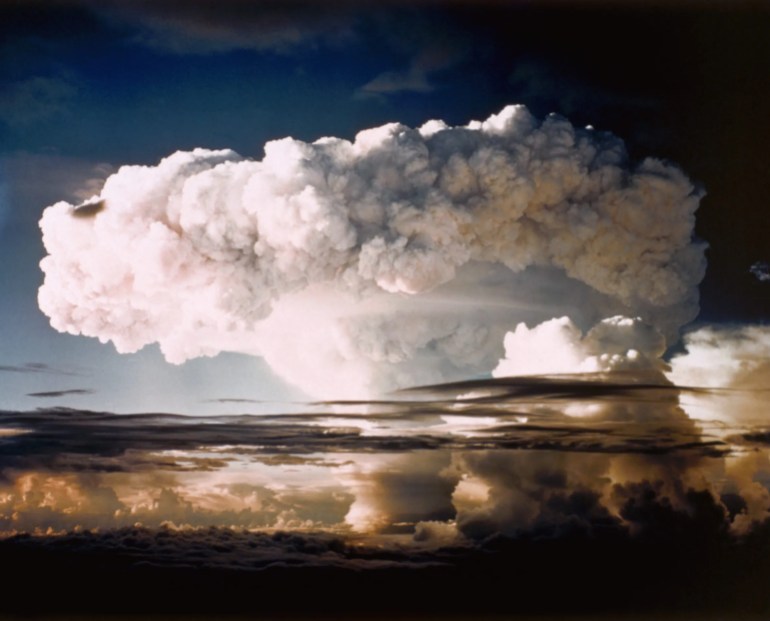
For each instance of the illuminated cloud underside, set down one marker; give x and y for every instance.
(452, 464)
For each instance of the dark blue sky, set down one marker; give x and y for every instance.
(88, 86)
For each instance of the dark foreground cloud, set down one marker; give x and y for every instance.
(402, 242)
(501, 493)
(34, 367)
(198, 27)
(695, 569)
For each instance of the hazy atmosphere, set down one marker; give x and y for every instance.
(418, 298)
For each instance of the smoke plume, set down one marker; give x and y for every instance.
(399, 258)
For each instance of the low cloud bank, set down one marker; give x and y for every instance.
(400, 258)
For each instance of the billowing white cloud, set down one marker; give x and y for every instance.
(397, 493)
(399, 258)
(558, 346)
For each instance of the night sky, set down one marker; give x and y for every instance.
(258, 457)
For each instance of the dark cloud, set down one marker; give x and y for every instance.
(200, 27)
(89, 208)
(61, 393)
(415, 488)
(652, 514)
(94, 434)
(221, 571)
(577, 386)
(387, 467)
(439, 469)
(234, 400)
(758, 436)
(34, 367)
(266, 569)
(297, 460)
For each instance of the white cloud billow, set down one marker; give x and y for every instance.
(399, 258)
(734, 360)
(559, 346)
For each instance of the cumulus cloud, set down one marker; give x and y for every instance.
(402, 492)
(224, 548)
(399, 258)
(735, 362)
(141, 479)
(34, 367)
(512, 492)
(558, 346)
(558, 494)
(154, 493)
(523, 413)
(51, 482)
